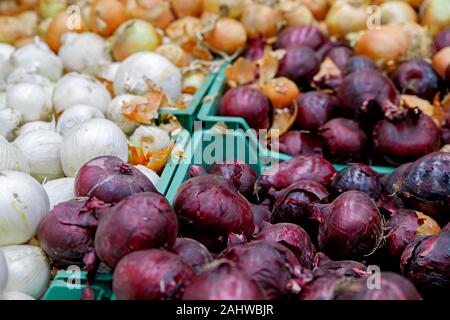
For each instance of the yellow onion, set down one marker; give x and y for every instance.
(175, 54)
(184, 29)
(347, 16)
(296, 14)
(134, 36)
(11, 29)
(436, 15)
(50, 8)
(192, 81)
(441, 61)
(225, 8)
(228, 35)
(155, 11)
(11, 7)
(281, 92)
(318, 8)
(58, 27)
(186, 8)
(106, 16)
(260, 21)
(397, 11)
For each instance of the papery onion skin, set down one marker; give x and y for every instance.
(296, 143)
(351, 226)
(151, 275)
(110, 179)
(221, 280)
(299, 64)
(309, 36)
(192, 252)
(228, 35)
(248, 103)
(358, 63)
(281, 91)
(141, 221)
(442, 40)
(314, 109)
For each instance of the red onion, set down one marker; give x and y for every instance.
(141, 221)
(442, 40)
(361, 91)
(221, 280)
(392, 287)
(261, 215)
(271, 265)
(209, 208)
(240, 173)
(445, 136)
(294, 170)
(314, 109)
(192, 252)
(426, 186)
(344, 140)
(357, 64)
(110, 179)
(426, 262)
(67, 233)
(248, 103)
(446, 228)
(406, 139)
(297, 143)
(357, 177)
(299, 64)
(340, 56)
(418, 78)
(293, 237)
(391, 182)
(350, 227)
(151, 275)
(255, 50)
(341, 268)
(308, 36)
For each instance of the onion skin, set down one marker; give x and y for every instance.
(357, 177)
(209, 209)
(351, 226)
(407, 139)
(426, 186)
(151, 275)
(442, 40)
(426, 262)
(141, 221)
(192, 252)
(110, 179)
(248, 103)
(392, 287)
(221, 280)
(314, 109)
(348, 268)
(343, 140)
(359, 63)
(293, 237)
(309, 36)
(297, 143)
(281, 92)
(299, 64)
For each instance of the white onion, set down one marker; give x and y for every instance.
(11, 158)
(75, 88)
(94, 138)
(152, 175)
(60, 190)
(114, 112)
(2, 100)
(84, 52)
(135, 69)
(153, 138)
(31, 100)
(14, 295)
(35, 125)
(21, 75)
(10, 120)
(3, 273)
(109, 71)
(76, 115)
(6, 51)
(39, 59)
(42, 150)
(23, 204)
(28, 270)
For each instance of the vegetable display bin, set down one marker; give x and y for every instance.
(208, 116)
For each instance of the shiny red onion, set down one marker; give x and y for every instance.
(314, 109)
(192, 252)
(442, 39)
(309, 36)
(357, 64)
(297, 143)
(299, 64)
(340, 56)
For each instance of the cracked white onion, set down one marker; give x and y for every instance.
(152, 138)
(76, 115)
(75, 88)
(11, 158)
(114, 112)
(23, 204)
(28, 270)
(59, 190)
(94, 138)
(42, 150)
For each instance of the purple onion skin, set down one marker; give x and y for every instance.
(297, 143)
(209, 208)
(141, 221)
(271, 265)
(248, 103)
(344, 140)
(426, 262)
(442, 40)
(221, 280)
(151, 275)
(314, 109)
(67, 233)
(351, 226)
(110, 180)
(261, 214)
(192, 252)
(340, 56)
(293, 237)
(392, 287)
(406, 139)
(418, 78)
(308, 36)
(357, 177)
(426, 186)
(299, 64)
(357, 64)
(348, 268)
(446, 228)
(255, 49)
(244, 175)
(294, 170)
